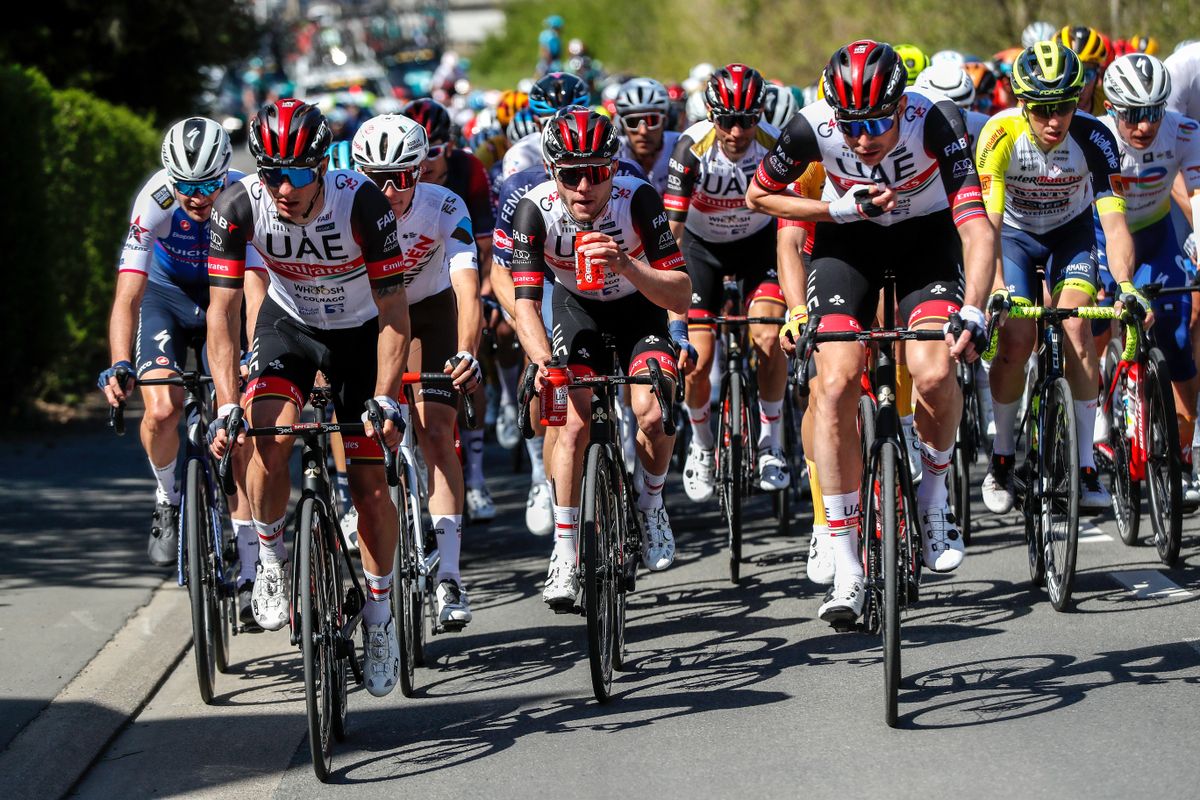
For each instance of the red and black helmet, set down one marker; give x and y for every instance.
(736, 89)
(576, 133)
(864, 79)
(289, 133)
(432, 115)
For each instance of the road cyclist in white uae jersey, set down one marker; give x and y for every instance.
(162, 289)
(1158, 148)
(1042, 166)
(336, 304)
(551, 92)
(441, 279)
(644, 279)
(713, 164)
(901, 192)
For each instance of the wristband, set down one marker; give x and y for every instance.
(798, 313)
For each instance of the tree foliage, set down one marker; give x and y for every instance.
(142, 54)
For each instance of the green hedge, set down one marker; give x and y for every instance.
(74, 164)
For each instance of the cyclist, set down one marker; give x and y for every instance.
(644, 278)
(162, 287)
(552, 92)
(900, 180)
(1041, 166)
(915, 61)
(984, 80)
(336, 304)
(1093, 51)
(955, 85)
(1039, 31)
(463, 174)
(1184, 66)
(642, 109)
(778, 106)
(441, 280)
(712, 165)
(1156, 146)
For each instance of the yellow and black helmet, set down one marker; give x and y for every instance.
(1087, 43)
(1141, 43)
(914, 58)
(1048, 72)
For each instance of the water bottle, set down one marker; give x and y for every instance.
(553, 395)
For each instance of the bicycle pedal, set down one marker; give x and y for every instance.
(844, 625)
(564, 607)
(451, 626)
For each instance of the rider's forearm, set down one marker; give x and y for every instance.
(793, 278)
(224, 333)
(394, 333)
(465, 283)
(787, 205)
(979, 260)
(127, 299)
(1118, 246)
(531, 332)
(502, 288)
(669, 289)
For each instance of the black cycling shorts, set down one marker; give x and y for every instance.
(752, 260)
(434, 325)
(636, 327)
(849, 262)
(288, 354)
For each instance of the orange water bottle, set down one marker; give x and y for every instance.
(553, 396)
(589, 273)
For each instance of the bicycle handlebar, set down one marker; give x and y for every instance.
(409, 378)
(736, 320)
(116, 414)
(1002, 309)
(655, 380)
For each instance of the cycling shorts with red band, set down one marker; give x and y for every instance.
(752, 260)
(287, 356)
(636, 328)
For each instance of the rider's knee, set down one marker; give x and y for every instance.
(161, 413)
(838, 385)
(766, 341)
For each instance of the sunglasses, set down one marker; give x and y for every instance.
(1047, 110)
(1135, 114)
(298, 177)
(434, 151)
(401, 179)
(871, 127)
(652, 119)
(573, 176)
(206, 188)
(743, 121)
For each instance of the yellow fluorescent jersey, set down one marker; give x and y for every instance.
(1038, 191)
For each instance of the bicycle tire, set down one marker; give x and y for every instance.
(869, 541)
(1126, 492)
(1060, 492)
(197, 546)
(315, 639)
(598, 524)
(1027, 478)
(892, 570)
(729, 470)
(783, 497)
(406, 595)
(1163, 460)
(960, 488)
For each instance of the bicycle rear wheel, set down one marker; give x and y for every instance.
(1126, 492)
(201, 578)
(1060, 492)
(893, 580)
(1163, 461)
(1027, 480)
(731, 468)
(316, 638)
(599, 531)
(783, 498)
(960, 487)
(406, 596)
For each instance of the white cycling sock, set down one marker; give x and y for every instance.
(508, 384)
(841, 516)
(932, 493)
(702, 432)
(650, 497)
(247, 545)
(1085, 427)
(166, 491)
(566, 528)
(472, 442)
(342, 483)
(449, 540)
(271, 549)
(379, 598)
(770, 414)
(534, 447)
(1005, 443)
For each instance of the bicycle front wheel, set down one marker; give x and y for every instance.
(893, 581)
(732, 456)
(406, 595)
(1163, 461)
(600, 531)
(1060, 491)
(316, 638)
(1126, 492)
(201, 578)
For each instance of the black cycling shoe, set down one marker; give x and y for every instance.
(163, 548)
(245, 594)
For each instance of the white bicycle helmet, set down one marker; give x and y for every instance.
(1035, 32)
(951, 81)
(696, 108)
(947, 57)
(642, 95)
(196, 149)
(1137, 79)
(390, 142)
(778, 106)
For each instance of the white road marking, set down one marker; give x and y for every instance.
(1090, 533)
(1151, 584)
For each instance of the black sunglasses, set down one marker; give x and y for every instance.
(728, 121)
(573, 176)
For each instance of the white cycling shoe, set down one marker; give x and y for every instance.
(773, 472)
(480, 506)
(941, 541)
(844, 603)
(269, 601)
(698, 479)
(381, 658)
(820, 564)
(508, 435)
(539, 510)
(658, 542)
(562, 583)
(454, 609)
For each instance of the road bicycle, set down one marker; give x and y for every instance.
(610, 541)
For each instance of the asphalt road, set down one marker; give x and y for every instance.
(733, 691)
